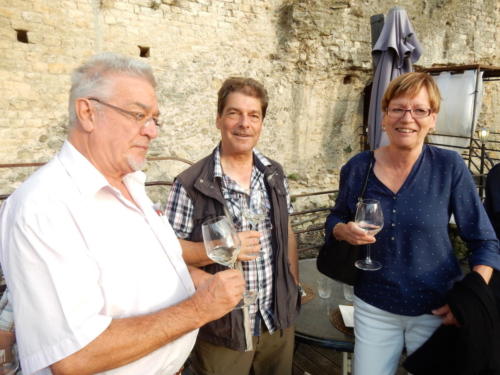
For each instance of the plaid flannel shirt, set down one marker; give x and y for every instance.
(258, 273)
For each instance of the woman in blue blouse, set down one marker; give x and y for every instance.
(419, 187)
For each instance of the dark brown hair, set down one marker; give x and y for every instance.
(247, 86)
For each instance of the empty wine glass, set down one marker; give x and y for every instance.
(370, 218)
(222, 245)
(255, 214)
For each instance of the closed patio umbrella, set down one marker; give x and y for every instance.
(394, 53)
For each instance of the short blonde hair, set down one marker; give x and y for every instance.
(410, 84)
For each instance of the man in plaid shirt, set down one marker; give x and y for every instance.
(233, 180)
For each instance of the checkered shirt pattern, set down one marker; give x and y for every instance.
(258, 273)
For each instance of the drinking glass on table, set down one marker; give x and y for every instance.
(222, 245)
(325, 285)
(370, 218)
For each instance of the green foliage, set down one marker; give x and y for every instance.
(461, 250)
(348, 149)
(293, 177)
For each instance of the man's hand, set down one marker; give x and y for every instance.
(447, 315)
(250, 245)
(352, 233)
(218, 295)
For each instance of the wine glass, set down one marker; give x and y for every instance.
(222, 245)
(370, 218)
(256, 215)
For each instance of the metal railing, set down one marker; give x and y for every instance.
(308, 224)
(149, 183)
(479, 156)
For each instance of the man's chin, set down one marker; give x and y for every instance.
(136, 164)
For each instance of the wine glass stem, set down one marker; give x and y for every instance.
(368, 258)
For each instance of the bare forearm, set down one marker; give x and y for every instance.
(128, 339)
(293, 256)
(194, 253)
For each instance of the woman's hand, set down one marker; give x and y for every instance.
(250, 245)
(447, 315)
(352, 233)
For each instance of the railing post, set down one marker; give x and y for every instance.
(483, 137)
(481, 171)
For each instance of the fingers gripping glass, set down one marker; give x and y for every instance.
(139, 117)
(370, 218)
(222, 245)
(418, 113)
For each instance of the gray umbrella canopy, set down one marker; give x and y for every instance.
(396, 50)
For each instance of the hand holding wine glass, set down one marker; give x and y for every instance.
(222, 245)
(370, 218)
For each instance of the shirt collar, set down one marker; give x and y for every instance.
(88, 179)
(218, 167)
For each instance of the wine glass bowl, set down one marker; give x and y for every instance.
(222, 243)
(257, 215)
(370, 218)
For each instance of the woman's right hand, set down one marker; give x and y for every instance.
(352, 233)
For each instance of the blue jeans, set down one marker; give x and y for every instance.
(381, 337)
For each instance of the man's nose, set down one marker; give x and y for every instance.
(150, 129)
(245, 120)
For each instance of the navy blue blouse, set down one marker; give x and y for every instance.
(419, 265)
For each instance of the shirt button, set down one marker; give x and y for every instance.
(393, 225)
(392, 238)
(394, 198)
(393, 211)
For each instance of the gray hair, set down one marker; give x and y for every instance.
(92, 78)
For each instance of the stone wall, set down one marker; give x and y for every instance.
(314, 56)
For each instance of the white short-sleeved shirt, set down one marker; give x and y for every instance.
(76, 254)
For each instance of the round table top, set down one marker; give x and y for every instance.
(313, 324)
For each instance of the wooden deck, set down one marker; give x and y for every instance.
(314, 360)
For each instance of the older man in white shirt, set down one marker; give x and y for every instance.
(96, 277)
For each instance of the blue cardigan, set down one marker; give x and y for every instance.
(419, 265)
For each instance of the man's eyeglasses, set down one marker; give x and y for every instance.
(139, 117)
(418, 113)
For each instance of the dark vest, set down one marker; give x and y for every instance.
(205, 193)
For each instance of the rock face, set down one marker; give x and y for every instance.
(313, 56)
